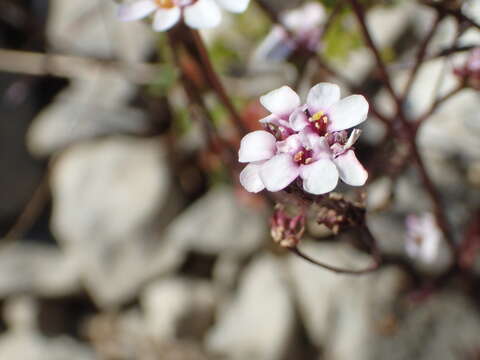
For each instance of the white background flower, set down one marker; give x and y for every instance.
(198, 14)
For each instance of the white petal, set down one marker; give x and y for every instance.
(136, 10)
(348, 113)
(281, 101)
(350, 169)
(319, 177)
(203, 14)
(290, 145)
(166, 18)
(298, 120)
(322, 96)
(278, 172)
(236, 6)
(250, 178)
(318, 144)
(257, 145)
(304, 18)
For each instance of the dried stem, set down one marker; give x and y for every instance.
(437, 103)
(421, 54)
(374, 249)
(408, 129)
(215, 81)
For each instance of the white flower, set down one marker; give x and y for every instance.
(422, 238)
(198, 14)
(325, 112)
(319, 159)
(301, 28)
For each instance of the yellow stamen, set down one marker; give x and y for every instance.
(317, 116)
(166, 4)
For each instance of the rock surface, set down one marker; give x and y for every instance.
(258, 323)
(110, 200)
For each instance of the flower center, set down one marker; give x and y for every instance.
(319, 122)
(303, 156)
(165, 4)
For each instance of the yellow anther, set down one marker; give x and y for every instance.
(317, 116)
(298, 156)
(308, 161)
(166, 4)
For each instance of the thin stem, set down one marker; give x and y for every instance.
(216, 83)
(408, 129)
(374, 249)
(360, 14)
(436, 104)
(421, 55)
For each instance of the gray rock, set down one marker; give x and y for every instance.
(38, 269)
(97, 30)
(177, 307)
(446, 326)
(218, 224)
(258, 323)
(110, 200)
(340, 311)
(93, 106)
(23, 341)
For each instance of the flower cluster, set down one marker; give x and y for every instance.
(198, 14)
(300, 29)
(423, 237)
(308, 141)
(470, 71)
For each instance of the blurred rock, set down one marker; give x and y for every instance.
(258, 322)
(97, 30)
(93, 106)
(218, 224)
(24, 342)
(39, 269)
(110, 200)
(177, 307)
(445, 326)
(340, 312)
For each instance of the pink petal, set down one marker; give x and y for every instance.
(236, 6)
(281, 101)
(203, 14)
(298, 120)
(166, 18)
(250, 178)
(278, 172)
(350, 169)
(136, 10)
(318, 144)
(257, 145)
(290, 145)
(304, 18)
(348, 113)
(322, 96)
(319, 177)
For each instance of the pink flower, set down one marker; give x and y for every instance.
(281, 102)
(325, 112)
(470, 71)
(422, 239)
(301, 28)
(318, 159)
(198, 14)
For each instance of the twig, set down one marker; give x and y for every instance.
(408, 129)
(375, 253)
(436, 104)
(421, 54)
(67, 66)
(215, 82)
(30, 212)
